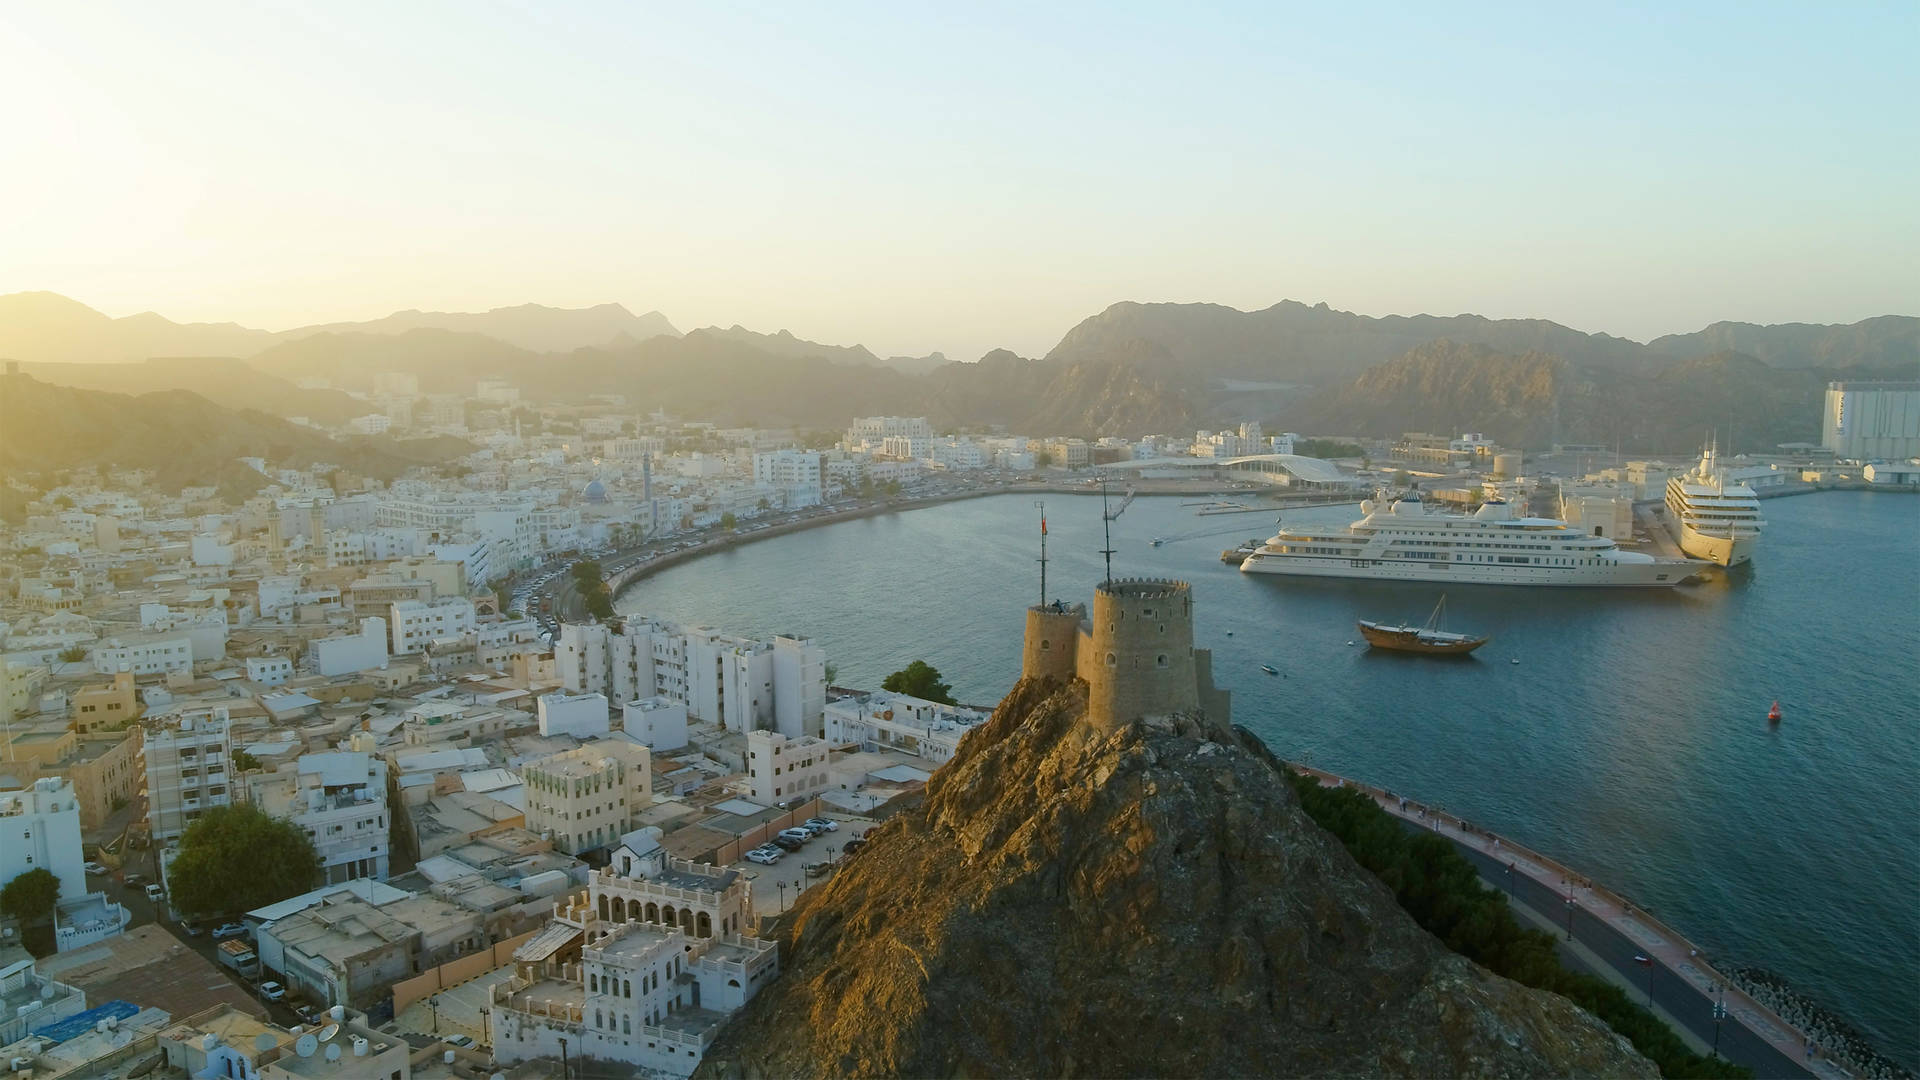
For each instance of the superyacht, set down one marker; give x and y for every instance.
(1710, 518)
(1399, 540)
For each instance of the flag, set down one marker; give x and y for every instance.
(1043, 524)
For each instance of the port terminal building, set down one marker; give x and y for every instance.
(1280, 470)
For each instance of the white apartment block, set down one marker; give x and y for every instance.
(187, 758)
(780, 769)
(907, 446)
(588, 797)
(869, 433)
(40, 830)
(340, 799)
(741, 683)
(656, 723)
(583, 716)
(887, 721)
(147, 654)
(414, 623)
(370, 424)
(958, 454)
(344, 654)
(800, 475)
(269, 670)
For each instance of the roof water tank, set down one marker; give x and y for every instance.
(546, 883)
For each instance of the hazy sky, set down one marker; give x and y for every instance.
(961, 176)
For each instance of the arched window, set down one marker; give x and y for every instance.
(593, 984)
(596, 1018)
(1112, 660)
(1045, 644)
(1161, 661)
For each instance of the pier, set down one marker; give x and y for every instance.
(1603, 932)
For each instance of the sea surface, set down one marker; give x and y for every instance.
(1629, 740)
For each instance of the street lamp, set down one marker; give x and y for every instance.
(783, 893)
(563, 1058)
(433, 1003)
(1569, 916)
(1719, 1014)
(1510, 891)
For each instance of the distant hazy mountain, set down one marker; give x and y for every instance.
(222, 380)
(48, 327)
(185, 438)
(530, 326)
(1888, 341)
(1291, 342)
(446, 361)
(784, 343)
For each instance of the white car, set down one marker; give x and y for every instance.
(93, 868)
(272, 991)
(765, 856)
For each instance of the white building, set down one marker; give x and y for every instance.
(414, 623)
(781, 770)
(658, 723)
(800, 475)
(1894, 474)
(370, 424)
(344, 654)
(187, 758)
(742, 683)
(41, 831)
(144, 654)
(583, 716)
(590, 796)
(1871, 421)
(907, 446)
(869, 434)
(269, 670)
(887, 721)
(340, 799)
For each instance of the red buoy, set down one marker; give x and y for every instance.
(1773, 714)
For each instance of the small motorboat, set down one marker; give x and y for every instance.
(1157, 541)
(1269, 669)
(1774, 714)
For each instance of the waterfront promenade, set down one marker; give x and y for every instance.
(1606, 931)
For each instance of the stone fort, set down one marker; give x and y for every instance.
(1135, 654)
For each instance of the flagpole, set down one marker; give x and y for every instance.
(1042, 505)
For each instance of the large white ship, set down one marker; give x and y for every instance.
(1401, 541)
(1710, 518)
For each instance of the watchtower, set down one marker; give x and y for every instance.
(1138, 657)
(1052, 641)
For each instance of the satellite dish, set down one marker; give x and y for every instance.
(329, 1032)
(305, 1045)
(333, 1051)
(264, 1042)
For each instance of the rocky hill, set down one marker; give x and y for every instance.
(221, 380)
(184, 438)
(1149, 901)
(527, 326)
(1887, 341)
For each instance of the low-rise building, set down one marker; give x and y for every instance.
(588, 797)
(345, 951)
(657, 723)
(340, 799)
(269, 670)
(415, 623)
(780, 769)
(344, 654)
(42, 832)
(104, 705)
(884, 720)
(583, 716)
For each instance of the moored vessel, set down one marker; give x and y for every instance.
(1430, 638)
(1400, 541)
(1711, 518)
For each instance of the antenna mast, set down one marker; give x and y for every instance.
(1106, 523)
(1041, 504)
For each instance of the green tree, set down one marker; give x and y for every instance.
(30, 896)
(73, 654)
(728, 521)
(244, 762)
(833, 673)
(1042, 459)
(236, 858)
(922, 680)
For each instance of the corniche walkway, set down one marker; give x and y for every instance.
(1680, 981)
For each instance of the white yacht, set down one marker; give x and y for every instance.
(1401, 541)
(1710, 518)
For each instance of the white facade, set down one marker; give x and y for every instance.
(742, 683)
(656, 722)
(148, 655)
(269, 670)
(340, 799)
(345, 654)
(187, 759)
(414, 623)
(40, 830)
(1872, 421)
(588, 797)
(583, 716)
(910, 725)
(780, 769)
(800, 475)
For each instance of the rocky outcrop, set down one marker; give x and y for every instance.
(1144, 901)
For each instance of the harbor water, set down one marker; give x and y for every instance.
(1630, 739)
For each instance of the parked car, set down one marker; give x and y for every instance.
(764, 856)
(802, 835)
(227, 930)
(461, 1041)
(272, 991)
(194, 929)
(853, 845)
(156, 894)
(788, 843)
(93, 868)
(132, 879)
(820, 825)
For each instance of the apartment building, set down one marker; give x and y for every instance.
(413, 624)
(104, 705)
(187, 758)
(742, 683)
(588, 797)
(800, 475)
(340, 799)
(144, 654)
(888, 721)
(40, 830)
(780, 769)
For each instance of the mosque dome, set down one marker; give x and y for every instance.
(594, 492)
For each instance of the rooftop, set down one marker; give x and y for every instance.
(149, 966)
